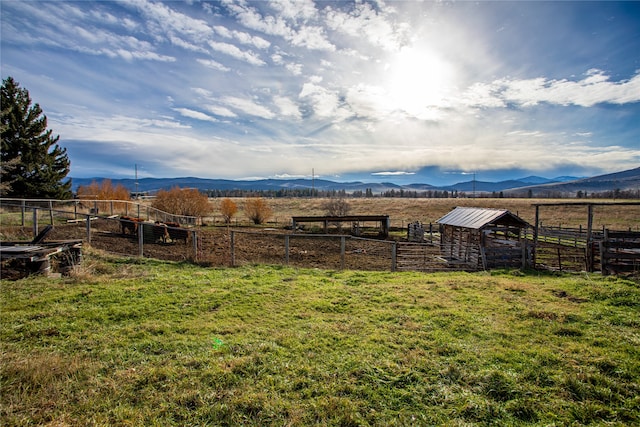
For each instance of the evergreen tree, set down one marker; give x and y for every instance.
(41, 164)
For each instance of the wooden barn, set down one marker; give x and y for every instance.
(483, 238)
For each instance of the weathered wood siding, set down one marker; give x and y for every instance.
(620, 252)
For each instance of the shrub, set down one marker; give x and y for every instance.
(337, 207)
(104, 191)
(228, 208)
(257, 210)
(178, 201)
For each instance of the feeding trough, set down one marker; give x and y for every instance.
(20, 259)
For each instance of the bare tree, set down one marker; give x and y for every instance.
(337, 206)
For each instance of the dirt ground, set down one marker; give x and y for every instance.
(213, 246)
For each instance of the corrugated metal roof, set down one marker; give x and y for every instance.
(476, 218)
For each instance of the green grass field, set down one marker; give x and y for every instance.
(140, 342)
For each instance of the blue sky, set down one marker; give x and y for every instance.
(374, 91)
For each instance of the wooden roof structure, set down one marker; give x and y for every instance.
(479, 218)
(482, 237)
(382, 219)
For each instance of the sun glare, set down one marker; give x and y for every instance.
(418, 81)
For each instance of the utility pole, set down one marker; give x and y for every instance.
(313, 182)
(136, 166)
(474, 185)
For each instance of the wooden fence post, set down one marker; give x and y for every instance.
(50, 212)
(604, 258)
(233, 248)
(194, 237)
(589, 249)
(394, 255)
(88, 226)
(35, 222)
(342, 250)
(536, 230)
(141, 239)
(286, 249)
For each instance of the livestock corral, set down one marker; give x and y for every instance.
(575, 242)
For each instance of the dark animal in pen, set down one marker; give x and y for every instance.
(129, 225)
(160, 232)
(176, 233)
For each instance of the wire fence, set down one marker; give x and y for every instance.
(20, 210)
(311, 250)
(102, 228)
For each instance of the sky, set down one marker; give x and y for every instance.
(375, 91)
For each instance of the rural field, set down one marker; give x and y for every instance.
(406, 210)
(133, 341)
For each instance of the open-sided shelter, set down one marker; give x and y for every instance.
(484, 238)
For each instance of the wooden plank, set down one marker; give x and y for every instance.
(612, 235)
(75, 221)
(621, 255)
(621, 245)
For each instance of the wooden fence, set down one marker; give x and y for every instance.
(425, 257)
(104, 208)
(611, 252)
(328, 251)
(567, 236)
(620, 252)
(146, 239)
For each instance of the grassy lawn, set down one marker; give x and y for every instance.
(140, 342)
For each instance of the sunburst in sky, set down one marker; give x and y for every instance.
(397, 91)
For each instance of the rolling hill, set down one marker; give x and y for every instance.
(536, 186)
(623, 181)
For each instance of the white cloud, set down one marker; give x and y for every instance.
(310, 37)
(177, 41)
(393, 173)
(295, 69)
(163, 20)
(365, 21)
(210, 63)
(325, 103)
(287, 107)
(595, 88)
(192, 114)
(220, 111)
(248, 106)
(235, 52)
(253, 20)
(248, 39)
(295, 9)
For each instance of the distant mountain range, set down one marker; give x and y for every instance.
(531, 185)
(623, 181)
